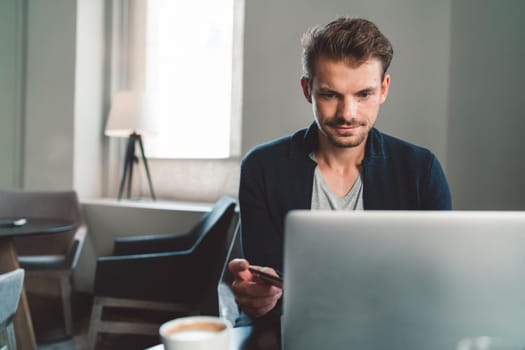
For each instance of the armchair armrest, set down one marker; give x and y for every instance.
(175, 277)
(66, 261)
(152, 244)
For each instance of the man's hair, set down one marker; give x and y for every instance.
(354, 40)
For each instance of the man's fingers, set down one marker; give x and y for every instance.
(257, 312)
(258, 306)
(253, 295)
(239, 269)
(238, 265)
(251, 289)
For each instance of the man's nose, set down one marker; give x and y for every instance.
(348, 108)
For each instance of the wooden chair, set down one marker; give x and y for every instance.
(52, 256)
(174, 273)
(11, 284)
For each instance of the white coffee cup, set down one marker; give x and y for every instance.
(196, 333)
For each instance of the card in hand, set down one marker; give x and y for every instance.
(266, 277)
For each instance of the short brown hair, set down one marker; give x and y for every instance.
(350, 39)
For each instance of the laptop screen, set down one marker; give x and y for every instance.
(403, 280)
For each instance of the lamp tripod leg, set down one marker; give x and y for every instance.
(127, 160)
(147, 168)
(131, 161)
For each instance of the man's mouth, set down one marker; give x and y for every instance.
(346, 128)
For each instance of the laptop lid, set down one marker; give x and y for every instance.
(403, 280)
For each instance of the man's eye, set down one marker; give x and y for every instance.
(328, 95)
(364, 94)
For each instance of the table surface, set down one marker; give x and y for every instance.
(35, 226)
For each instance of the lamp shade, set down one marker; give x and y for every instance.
(128, 115)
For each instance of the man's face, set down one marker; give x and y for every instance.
(346, 99)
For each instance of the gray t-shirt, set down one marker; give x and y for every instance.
(324, 198)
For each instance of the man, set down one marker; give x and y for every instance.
(340, 162)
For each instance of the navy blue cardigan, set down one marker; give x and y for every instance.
(277, 177)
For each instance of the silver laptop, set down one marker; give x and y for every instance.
(404, 280)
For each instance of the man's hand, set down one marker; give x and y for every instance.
(255, 297)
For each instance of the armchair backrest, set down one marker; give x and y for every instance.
(212, 245)
(217, 219)
(54, 204)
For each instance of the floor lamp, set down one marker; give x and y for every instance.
(127, 118)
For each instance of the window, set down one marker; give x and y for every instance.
(192, 67)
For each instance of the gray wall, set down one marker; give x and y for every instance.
(11, 80)
(89, 98)
(50, 92)
(486, 118)
(419, 31)
(51, 130)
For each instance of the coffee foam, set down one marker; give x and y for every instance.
(194, 330)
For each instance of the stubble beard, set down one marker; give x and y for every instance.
(342, 141)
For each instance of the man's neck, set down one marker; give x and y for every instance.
(340, 166)
(340, 158)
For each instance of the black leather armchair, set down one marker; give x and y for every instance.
(170, 272)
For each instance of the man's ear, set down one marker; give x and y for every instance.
(305, 84)
(385, 85)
